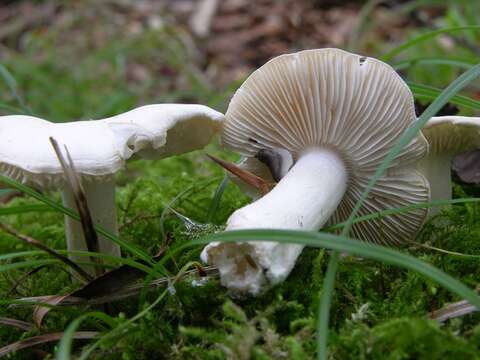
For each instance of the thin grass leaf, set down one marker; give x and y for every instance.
(58, 207)
(42, 339)
(14, 210)
(342, 243)
(65, 345)
(461, 63)
(327, 291)
(217, 198)
(431, 93)
(402, 209)
(30, 241)
(12, 86)
(425, 37)
(121, 328)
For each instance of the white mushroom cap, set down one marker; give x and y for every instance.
(452, 134)
(356, 106)
(101, 147)
(448, 136)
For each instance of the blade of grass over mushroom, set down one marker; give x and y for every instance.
(430, 93)
(327, 290)
(425, 37)
(60, 208)
(342, 243)
(217, 197)
(12, 86)
(403, 209)
(461, 63)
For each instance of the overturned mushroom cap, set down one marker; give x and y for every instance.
(358, 107)
(101, 147)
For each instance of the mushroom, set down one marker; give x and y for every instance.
(99, 149)
(448, 136)
(336, 115)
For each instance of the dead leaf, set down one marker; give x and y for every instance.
(19, 324)
(41, 339)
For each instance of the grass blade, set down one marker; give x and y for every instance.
(217, 197)
(12, 86)
(342, 243)
(461, 63)
(430, 93)
(60, 208)
(425, 37)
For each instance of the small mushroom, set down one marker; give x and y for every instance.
(336, 115)
(448, 136)
(99, 149)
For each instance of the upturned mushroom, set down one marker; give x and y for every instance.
(336, 115)
(99, 149)
(448, 136)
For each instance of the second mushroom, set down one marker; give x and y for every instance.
(333, 116)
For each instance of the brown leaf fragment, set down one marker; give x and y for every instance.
(19, 324)
(41, 311)
(246, 176)
(74, 181)
(451, 311)
(41, 339)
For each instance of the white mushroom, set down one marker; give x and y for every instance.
(338, 115)
(99, 149)
(448, 136)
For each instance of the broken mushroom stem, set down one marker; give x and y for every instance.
(298, 201)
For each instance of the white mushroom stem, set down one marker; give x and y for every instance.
(100, 195)
(436, 168)
(448, 136)
(304, 199)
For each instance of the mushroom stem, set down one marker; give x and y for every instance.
(436, 168)
(304, 199)
(100, 197)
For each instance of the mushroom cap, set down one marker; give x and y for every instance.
(452, 134)
(100, 148)
(355, 105)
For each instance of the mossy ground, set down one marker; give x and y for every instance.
(379, 311)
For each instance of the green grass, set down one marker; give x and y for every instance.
(378, 311)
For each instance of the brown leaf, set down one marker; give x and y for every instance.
(22, 325)
(249, 178)
(41, 311)
(454, 310)
(74, 181)
(41, 339)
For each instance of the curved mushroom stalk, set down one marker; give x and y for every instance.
(304, 199)
(447, 136)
